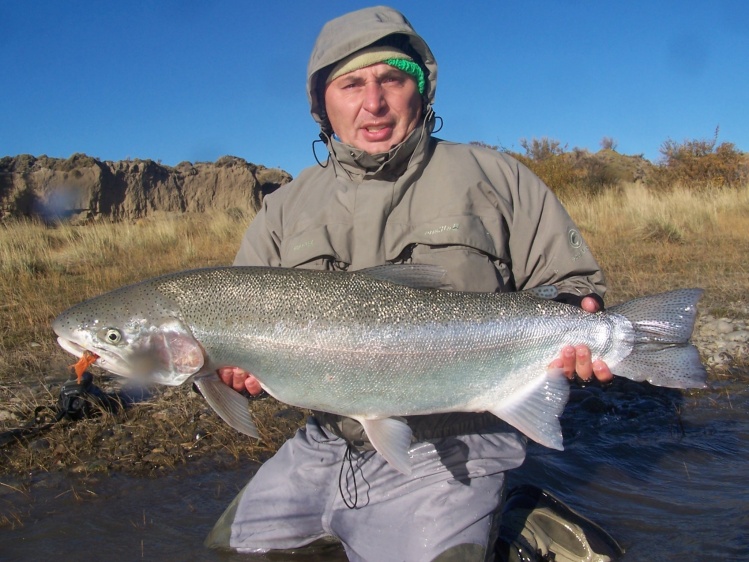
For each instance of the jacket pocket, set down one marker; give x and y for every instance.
(323, 247)
(471, 249)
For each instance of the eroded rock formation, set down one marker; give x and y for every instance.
(82, 187)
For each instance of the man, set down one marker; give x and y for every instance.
(389, 192)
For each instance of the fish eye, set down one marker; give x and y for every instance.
(113, 336)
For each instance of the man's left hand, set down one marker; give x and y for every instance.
(577, 359)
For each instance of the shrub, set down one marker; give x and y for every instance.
(564, 172)
(700, 164)
(608, 143)
(542, 149)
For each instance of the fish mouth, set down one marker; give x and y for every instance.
(142, 368)
(104, 360)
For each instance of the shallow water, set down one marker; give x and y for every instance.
(665, 473)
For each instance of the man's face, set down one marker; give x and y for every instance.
(373, 108)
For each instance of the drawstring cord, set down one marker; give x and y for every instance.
(348, 457)
(323, 139)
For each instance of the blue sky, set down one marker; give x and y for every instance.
(195, 80)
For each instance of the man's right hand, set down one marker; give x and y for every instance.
(240, 380)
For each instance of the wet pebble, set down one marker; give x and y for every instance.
(289, 414)
(739, 336)
(156, 458)
(722, 340)
(7, 415)
(721, 358)
(39, 445)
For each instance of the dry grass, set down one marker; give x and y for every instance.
(649, 241)
(47, 269)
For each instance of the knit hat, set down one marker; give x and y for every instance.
(380, 53)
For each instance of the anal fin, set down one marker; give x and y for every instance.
(535, 410)
(228, 403)
(392, 439)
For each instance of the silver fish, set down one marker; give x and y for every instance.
(376, 345)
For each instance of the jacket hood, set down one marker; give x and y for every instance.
(351, 32)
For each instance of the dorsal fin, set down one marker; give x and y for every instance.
(418, 276)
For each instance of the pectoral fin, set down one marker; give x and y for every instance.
(535, 410)
(229, 404)
(392, 439)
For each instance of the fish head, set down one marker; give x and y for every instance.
(136, 332)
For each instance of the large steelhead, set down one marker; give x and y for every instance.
(375, 345)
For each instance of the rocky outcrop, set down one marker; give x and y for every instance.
(83, 187)
(723, 340)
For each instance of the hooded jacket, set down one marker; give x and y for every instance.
(486, 219)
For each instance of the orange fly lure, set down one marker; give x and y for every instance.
(87, 359)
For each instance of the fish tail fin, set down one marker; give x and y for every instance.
(662, 353)
(228, 403)
(535, 410)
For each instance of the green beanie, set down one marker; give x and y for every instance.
(412, 68)
(380, 54)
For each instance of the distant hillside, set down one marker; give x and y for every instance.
(82, 187)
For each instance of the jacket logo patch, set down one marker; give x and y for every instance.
(302, 245)
(576, 242)
(443, 228)
(574, 238)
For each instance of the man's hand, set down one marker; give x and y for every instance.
(240, 380)
(578, 359)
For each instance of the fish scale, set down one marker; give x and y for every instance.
(376, 345)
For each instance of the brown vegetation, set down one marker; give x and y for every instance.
(701, 164)
(692, 164)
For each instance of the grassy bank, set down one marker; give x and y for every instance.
(647, 242)
(650, 241)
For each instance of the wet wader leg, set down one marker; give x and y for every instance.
(221, 533)
(282, 507)
(445, 510)
(220, 536)
(463, 553)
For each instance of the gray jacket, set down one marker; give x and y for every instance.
(479, 214)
